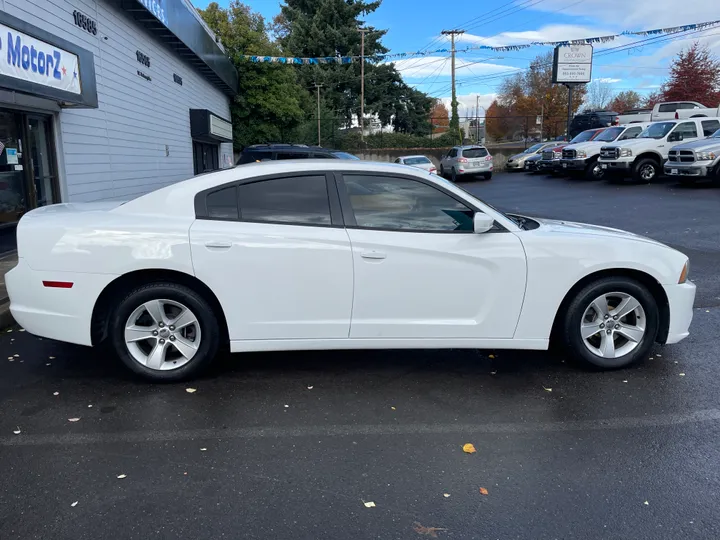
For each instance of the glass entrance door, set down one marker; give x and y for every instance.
(42, 162)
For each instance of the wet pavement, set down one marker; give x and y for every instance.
(293, 445)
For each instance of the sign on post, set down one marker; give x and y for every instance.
(572, 64)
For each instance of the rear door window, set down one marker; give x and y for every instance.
(710, 127)
(687, 129)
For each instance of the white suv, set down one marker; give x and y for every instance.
(473, 160)
(643, 158)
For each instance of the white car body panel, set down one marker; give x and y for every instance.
(285, 287)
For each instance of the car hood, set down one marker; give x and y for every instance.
(570, 227)
(590, 145)
(702, 144)
(519, 157)
(635, 143)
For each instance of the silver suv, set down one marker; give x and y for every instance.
(473, 160)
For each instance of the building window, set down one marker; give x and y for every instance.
(205, 157)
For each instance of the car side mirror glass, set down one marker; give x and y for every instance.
(482, 223)
(675, 137)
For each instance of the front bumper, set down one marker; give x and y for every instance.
(680, 300)
(531, 166)
(688, 169)
(515, 165)
(615, 166)
(548, 165)
(61, 314)
(577, 164)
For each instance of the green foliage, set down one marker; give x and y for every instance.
(270, 103)
(351, 141)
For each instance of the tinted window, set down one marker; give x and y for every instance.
(383, 202)
(321, 156)
(292, 155)
(417, 160)
(670, 107)
(453, 153)
(250, 156)
(584, 136)
(344, 155)
(222, 204)
(474, 152)
(687, 106)
(710, 127)
(398, 160)
(631, 133)
(687, 129)
(610, 134)
(302, 200)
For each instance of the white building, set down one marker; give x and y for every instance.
(107, 100)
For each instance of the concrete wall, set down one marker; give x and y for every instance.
(139, 138)
(500, 154)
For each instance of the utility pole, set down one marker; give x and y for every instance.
(453, 103)
(542, 119)
(570, 87)
(317, 87)
(362, 83)
(477, 119)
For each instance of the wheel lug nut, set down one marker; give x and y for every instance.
(602, 325)
(162, 341)
(155, 332)
(172, 327)
(615, 317)
(172, 338)
(161, 325)
(609, 331)
(607, 316)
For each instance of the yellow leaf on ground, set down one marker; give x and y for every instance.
(191, 390)
(369, 504)
(468, 448)
(483, 491)
(547, 389)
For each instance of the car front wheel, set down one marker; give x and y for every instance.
(611, 323)
(164, 332)
(645, 171)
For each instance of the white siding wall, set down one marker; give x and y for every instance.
(118, 151)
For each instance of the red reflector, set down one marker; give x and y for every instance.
(58, 284)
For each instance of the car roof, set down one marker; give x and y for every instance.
(414, 155)
(179, 199)
(288, 147)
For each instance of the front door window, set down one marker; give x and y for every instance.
(13, 196)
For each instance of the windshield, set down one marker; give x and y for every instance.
(715, 135)
(474, 152)
(610, 134)
(420, 160)
(657, 131)
(534, 148)
(583, 137)
(344, 155)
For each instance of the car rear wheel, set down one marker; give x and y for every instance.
(611, 323)
(164, 332)
(442, 171)
(646, 170)
(453, 175)
(487, 175)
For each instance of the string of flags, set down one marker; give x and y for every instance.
(505, 48)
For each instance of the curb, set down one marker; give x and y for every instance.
(6, 318)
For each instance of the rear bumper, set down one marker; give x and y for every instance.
(469, 171)
(61, 314)
(687, 169)
(680, 299)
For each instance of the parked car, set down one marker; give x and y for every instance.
(531, 163)
(270, 152)
(582, 158)
(551, 157)
(699, 112)
(463, 161)
(421, 162)
(326, 255)
(591, 120)
(661, 111)
(697, 160)
(517, 162)
(643, 158)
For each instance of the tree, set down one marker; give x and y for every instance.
(694, 76)
(599, 95)
(626, 101)
(439, 117)
(270, 102)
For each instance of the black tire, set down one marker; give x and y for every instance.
(453, 175)
(442, 171)
(487, 175)
(639, 173)
(573, 318)
(593, 171)
(209, 328)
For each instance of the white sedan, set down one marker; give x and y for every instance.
(292, 255)
(421, 162)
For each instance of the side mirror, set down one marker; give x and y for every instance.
(482, 223)
(675, 136)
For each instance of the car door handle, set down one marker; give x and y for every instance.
(218, 245)
(373, 255)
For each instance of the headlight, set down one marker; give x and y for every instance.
(581, 154)
(625, 152)
(685, 272)
(705, 156)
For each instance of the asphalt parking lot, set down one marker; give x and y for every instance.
(297, 445)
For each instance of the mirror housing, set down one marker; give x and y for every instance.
(482, 223)
(675, 137)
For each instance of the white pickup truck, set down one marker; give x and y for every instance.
(643, 157)
(670, 110)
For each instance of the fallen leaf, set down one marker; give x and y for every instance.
(121, 476)
(191, 390)
(48, 364)
(468, 448)
(369, 504)
(707, 311)
(660, 355)
(16, 355)
(446, 495)
(203, 449)
(74, 504)
(393, 408)
(51, 357)
(310, 387)
(56, 393)
(483, 491)
(22, 329)
(427, 531)
(493, 372)
(89, 406)
(185, 474)
(9, 331)
(17, 431)
(286, 405)
(625, 380)
(547, 389)
(73, 419)
(646, 503)
(682, 374)
(10, 358)
(491, 356)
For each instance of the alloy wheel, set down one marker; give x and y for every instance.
(162, 334)
(647, 172)
(613, 325)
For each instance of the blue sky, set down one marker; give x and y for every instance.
(416, 24)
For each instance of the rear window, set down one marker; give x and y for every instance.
(417, 160)
(474, 152)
